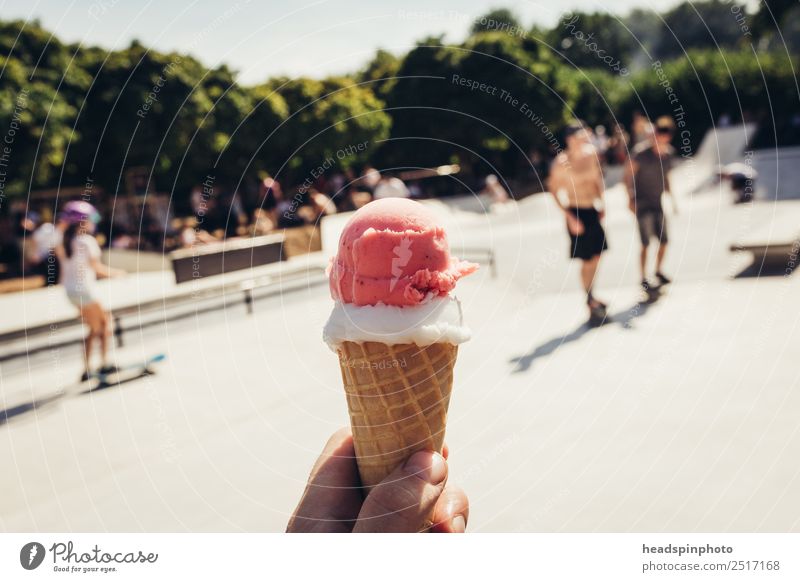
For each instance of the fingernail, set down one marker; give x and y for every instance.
(428, 466)
(458, 524)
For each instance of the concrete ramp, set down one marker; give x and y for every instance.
(720, 146)
(778, 174)
(773, 241)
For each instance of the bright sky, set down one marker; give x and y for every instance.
(267, 38)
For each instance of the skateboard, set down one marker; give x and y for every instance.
(126, 373)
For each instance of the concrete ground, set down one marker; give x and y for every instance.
(680, 415)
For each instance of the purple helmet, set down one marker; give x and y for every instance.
(79, 211)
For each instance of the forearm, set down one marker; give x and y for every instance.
(629, 187)
(627, 179)
(562, 201)
(554, 194)
(554, 186)
(104, 271)
(630, 191)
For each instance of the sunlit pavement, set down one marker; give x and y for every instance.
(680, 415)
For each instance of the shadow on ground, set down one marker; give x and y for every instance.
(33, 406)
(762, 267)
(623, 318)
(48, 402)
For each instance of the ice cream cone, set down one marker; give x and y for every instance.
(397, 396)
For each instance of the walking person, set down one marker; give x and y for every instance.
(576, 183)
(79, 275)
(646, 180)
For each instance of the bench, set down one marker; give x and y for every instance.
(259, 255)
(21, 284)
(210, 259)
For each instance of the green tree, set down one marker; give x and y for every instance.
(37, 105)
(325, 117)
(380, 72)
(478, 104)
(415, 103)
(485, 103)
(776, 25)
(592, 95)
(645, 28)
(699, 25)
(708, 84)
(595, 40)
(501, 19)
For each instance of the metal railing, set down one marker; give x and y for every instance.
(246, 290)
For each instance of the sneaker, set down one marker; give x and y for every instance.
(109, 369)
(663, 279)
(598, 311)
(597, 316)
(85, 376)
(593, 301)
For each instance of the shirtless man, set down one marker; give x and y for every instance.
(576, 183)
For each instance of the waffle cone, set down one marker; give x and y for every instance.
(397, 396)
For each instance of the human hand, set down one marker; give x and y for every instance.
(574, 224)
(403, 502)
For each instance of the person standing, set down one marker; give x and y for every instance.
(493, 187)
(576, 183)
(79, 275)
(369, 179)
(646, 179)
(640, 128)
(618, 146)
(390, 187)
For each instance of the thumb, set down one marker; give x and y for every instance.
(404, 501)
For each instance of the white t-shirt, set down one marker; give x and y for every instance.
(391, 188)
(47, 237)
(78, 275)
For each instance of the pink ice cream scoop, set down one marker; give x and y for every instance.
(393, 252)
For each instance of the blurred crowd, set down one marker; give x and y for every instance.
(216, 213)
(29, 231)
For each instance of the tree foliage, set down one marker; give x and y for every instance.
(499, 19)
(707, 24)
(92, 114)
(486, 103)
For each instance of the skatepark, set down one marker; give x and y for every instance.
(679, 414)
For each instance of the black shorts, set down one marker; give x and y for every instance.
(652, 225)
(593, 240)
